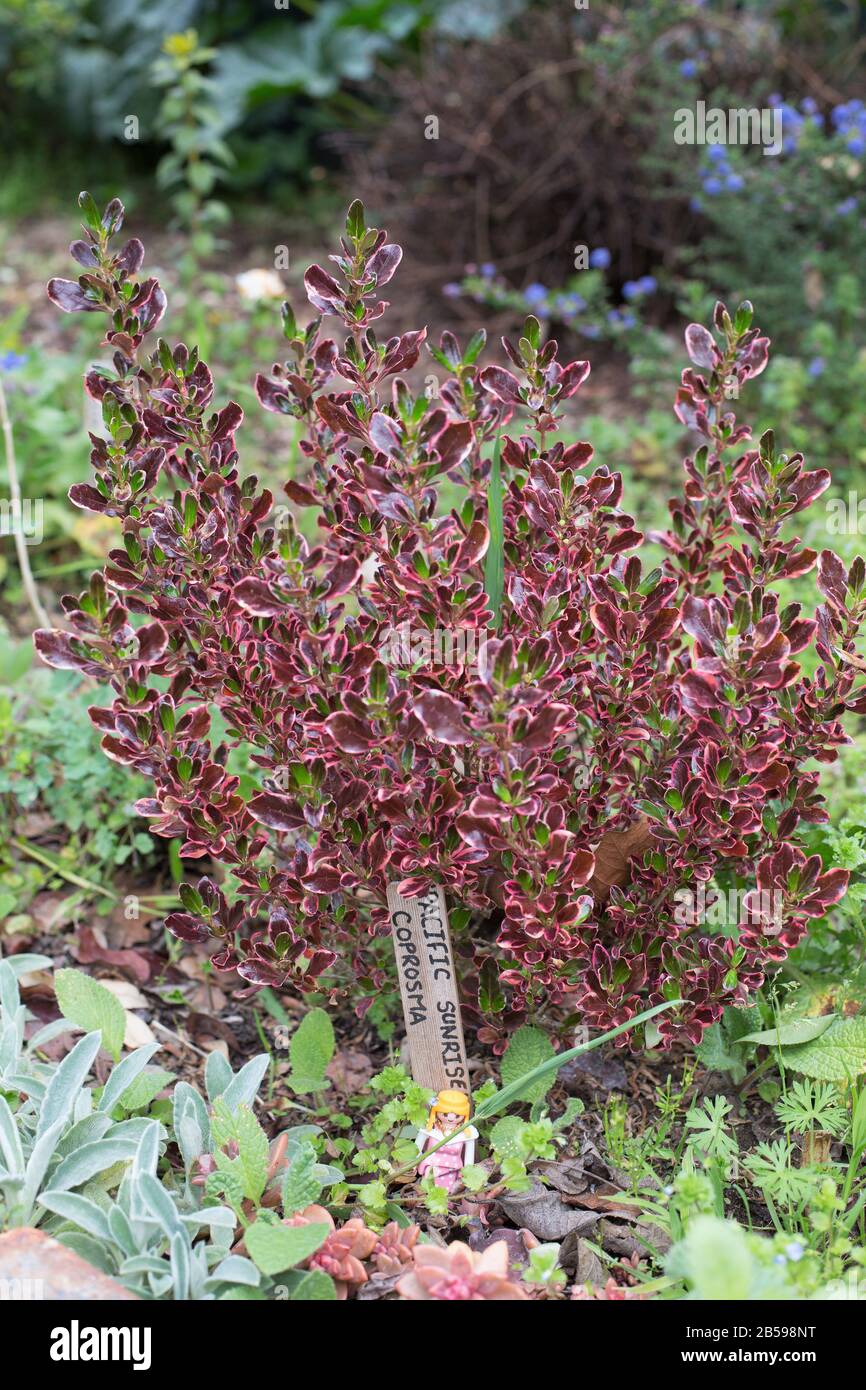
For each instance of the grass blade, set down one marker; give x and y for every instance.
(494, 565)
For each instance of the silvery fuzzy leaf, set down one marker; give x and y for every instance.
(142, 1264)
(67, 1081)
(10, 998)
(217, 1076)
(10, 1144)
(181, 1263)
(84, 1212)
(121, 1231)
(123, 1075)
(220, 1221)
(298, 1135)
(90, 1249)
(85, 1131)
(83, 1105)
(234, 1269)
(26, 962)
(159, 1205)
(135, 1127)
(11, 1039)
(198, 1271)
(243, 1087)
(44, 1035)
(147, 1154)
(89, 1160)
(37, 1165)
(29, 1086)
(191, 1123)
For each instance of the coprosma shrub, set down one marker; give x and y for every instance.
(597, 744)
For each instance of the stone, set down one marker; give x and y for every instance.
(35, 1266)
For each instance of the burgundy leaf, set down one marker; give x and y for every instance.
(701, 347)
(258, 598)
(442, 717)
(70, 297)
(501, 384)
(383, 264)
(349, 733)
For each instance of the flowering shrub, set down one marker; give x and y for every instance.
(583, 305)
(623, 736)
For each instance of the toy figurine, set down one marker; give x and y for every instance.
(448, 1112)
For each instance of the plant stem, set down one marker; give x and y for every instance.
(18, 532)
(70, 877)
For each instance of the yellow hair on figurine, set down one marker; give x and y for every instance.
(449, 1103)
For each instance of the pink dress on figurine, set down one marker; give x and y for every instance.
(445, 1164)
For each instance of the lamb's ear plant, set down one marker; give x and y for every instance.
(76, 1162)
(54, 1132)
(627, 734)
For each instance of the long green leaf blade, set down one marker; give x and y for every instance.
(494, 565)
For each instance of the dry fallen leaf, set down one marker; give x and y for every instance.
(91, 948)
(350, 1069)
(545, 1214)
(615, 848)
(138, 1033)
(129, 994)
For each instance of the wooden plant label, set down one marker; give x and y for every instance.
(428, 986)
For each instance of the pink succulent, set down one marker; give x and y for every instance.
(458, 1274)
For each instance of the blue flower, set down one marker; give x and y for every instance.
(795, 1250)
(816, 366)
(613, 316)
(452, 290)
(856, 145)
(635, 289)
(599, 259)
(847, 205)
(735, 182)
(535, 293)
(488, 270)
(568, 305)
(11, 361)
(809, 105)
(712, 186)
(628, 320)
(717, 153)
(689, 68)
(590, 330)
